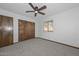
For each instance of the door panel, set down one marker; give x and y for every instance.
(21, 30)
(6, 30)
(30, 27)
(26, 30)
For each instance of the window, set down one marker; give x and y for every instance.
(48, 26)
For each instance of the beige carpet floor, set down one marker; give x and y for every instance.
(38, 47)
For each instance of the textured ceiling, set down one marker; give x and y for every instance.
(52, 8)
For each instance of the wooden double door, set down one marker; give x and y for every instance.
(6, 31)
(26, 30)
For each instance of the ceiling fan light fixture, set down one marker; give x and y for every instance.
(36, 11)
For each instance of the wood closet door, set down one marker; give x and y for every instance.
(21, 30)
(7, 30)
(26, 30)
(30, 28)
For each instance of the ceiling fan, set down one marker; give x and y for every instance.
(37, 10)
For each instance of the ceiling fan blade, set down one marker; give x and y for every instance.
(32, 6)
(35, 14)
(44, 7)
(41, 13)
(29, 11)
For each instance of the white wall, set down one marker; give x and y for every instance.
(66, 27)
(15, 21)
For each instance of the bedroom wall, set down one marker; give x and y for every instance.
(66, 25)
(15, 21)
